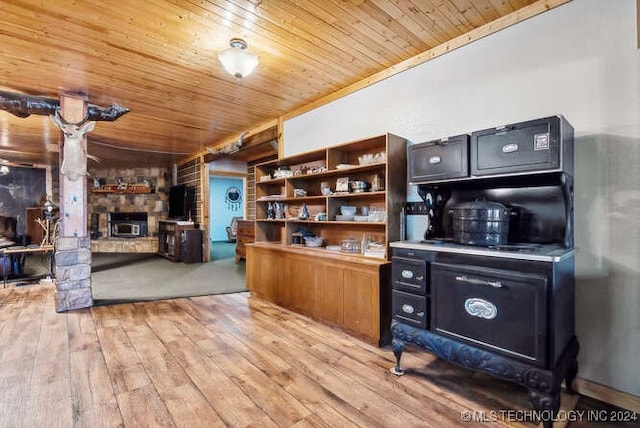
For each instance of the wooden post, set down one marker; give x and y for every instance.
(73, 193)
(73, 246)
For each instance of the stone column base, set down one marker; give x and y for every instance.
(69, 300)
(73, 273)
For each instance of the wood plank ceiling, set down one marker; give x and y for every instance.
(159, 59)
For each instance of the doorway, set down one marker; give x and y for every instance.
(226, 202)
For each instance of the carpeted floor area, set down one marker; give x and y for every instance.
(222, 250)
(119, 278)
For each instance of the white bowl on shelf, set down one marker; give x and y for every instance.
(348, 210)
(360, 218)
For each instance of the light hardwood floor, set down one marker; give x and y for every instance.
(224, 360)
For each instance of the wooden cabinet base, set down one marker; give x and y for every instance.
(348, 292)
(244, 235)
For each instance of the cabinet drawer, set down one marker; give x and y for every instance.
(439, 159)
(409, 275)
(535, 145)
(409, 308)
(410, 253)
(245, 230)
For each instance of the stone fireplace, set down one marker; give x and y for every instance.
(125, 207)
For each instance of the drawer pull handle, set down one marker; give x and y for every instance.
(434, 160)
(407, 274)
(480, 308)
(407, 309)
(476, 281)
(510, 148)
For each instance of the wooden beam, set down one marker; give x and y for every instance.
(492, 27)
(280, 137)
(253, 131)
(227, 173)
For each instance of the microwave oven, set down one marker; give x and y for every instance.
(127, 230)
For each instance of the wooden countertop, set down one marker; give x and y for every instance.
(322, 252)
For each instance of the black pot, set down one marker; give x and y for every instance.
(482, 223)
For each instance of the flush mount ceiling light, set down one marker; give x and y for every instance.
(236, 60)
(4, 170)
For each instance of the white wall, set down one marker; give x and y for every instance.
(579, 60)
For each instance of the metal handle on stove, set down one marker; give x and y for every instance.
(476, 281)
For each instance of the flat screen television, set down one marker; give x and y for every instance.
(181, 202)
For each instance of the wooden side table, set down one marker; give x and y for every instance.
(245, 235)
(20, 250)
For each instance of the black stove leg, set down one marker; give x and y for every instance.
(398, 347)
(571, 375)
(546, 405)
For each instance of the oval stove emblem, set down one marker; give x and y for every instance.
(407, 309)
(480, 308)
(407, 274)
(510, 148)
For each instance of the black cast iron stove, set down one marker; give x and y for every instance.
(506, 310)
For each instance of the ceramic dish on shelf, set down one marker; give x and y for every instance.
(344, 217)
(313, 241)
(333, 247)
(344, 166)
(360, 218)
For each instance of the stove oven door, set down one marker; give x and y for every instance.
(500, 310)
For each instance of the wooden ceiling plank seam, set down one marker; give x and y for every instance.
(502, 7)
(362, 22)
(519, 4)
(439, 20)
(449, 10)
(344, 21)
(352, 40)
(425, 21)
(401, 24)
(412, 21)
(469, 12)
(359, 31)
(485, 8)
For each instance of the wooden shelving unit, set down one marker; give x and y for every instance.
(344, 290)
(329, 165)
